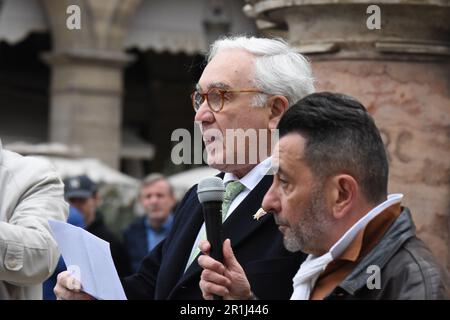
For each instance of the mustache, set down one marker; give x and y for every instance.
(279, 221)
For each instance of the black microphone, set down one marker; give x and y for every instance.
(210, 192)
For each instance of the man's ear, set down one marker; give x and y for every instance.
(344, 190)
(278, 106)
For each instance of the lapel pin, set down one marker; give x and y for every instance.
(259, 214)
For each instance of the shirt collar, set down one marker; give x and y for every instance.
(253, 177)
(165, 226)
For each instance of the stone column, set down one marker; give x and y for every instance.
(87, 64)
(401, 73)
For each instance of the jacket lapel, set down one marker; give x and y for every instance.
(238, 226)
(241, 223)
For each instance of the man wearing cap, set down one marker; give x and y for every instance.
(81, 193)
(31, 193)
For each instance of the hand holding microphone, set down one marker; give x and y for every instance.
(226, 279)
(223, 276)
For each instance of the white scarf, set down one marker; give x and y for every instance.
(307, 275)
(310, 270)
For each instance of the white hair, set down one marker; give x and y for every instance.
(279, 69)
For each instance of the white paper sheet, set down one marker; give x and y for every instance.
(89, 260)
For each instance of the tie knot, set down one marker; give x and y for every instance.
(232, 189)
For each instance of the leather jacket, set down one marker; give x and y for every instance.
(408, 269)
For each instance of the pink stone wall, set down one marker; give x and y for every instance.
(411, 105)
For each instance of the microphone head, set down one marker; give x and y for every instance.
(210, 189)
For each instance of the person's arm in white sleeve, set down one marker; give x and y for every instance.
(31, 194)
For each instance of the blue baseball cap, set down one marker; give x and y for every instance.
(79, 187)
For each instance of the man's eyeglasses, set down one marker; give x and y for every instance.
(215, 98)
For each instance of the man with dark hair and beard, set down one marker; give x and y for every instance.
(329, 199)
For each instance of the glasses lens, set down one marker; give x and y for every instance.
(215, 99)
(197, 100)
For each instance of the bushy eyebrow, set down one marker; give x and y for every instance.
(218, 85)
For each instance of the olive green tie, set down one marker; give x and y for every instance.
(232, 189)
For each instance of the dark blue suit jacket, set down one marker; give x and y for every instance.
(135, 242)
(258, 246)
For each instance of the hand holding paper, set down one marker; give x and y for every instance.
(89, 260)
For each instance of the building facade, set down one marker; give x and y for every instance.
(118, 87)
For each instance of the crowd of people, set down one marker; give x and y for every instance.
(329, 218)
(156, 198)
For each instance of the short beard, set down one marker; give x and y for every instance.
(308, 234)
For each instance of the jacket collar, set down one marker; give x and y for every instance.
(400, 231)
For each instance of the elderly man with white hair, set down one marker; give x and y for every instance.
(246, 86)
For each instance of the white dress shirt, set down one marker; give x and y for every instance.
(250, 180)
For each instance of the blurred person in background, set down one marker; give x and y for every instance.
(81, 193)
(157, 199)
(31, 193)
